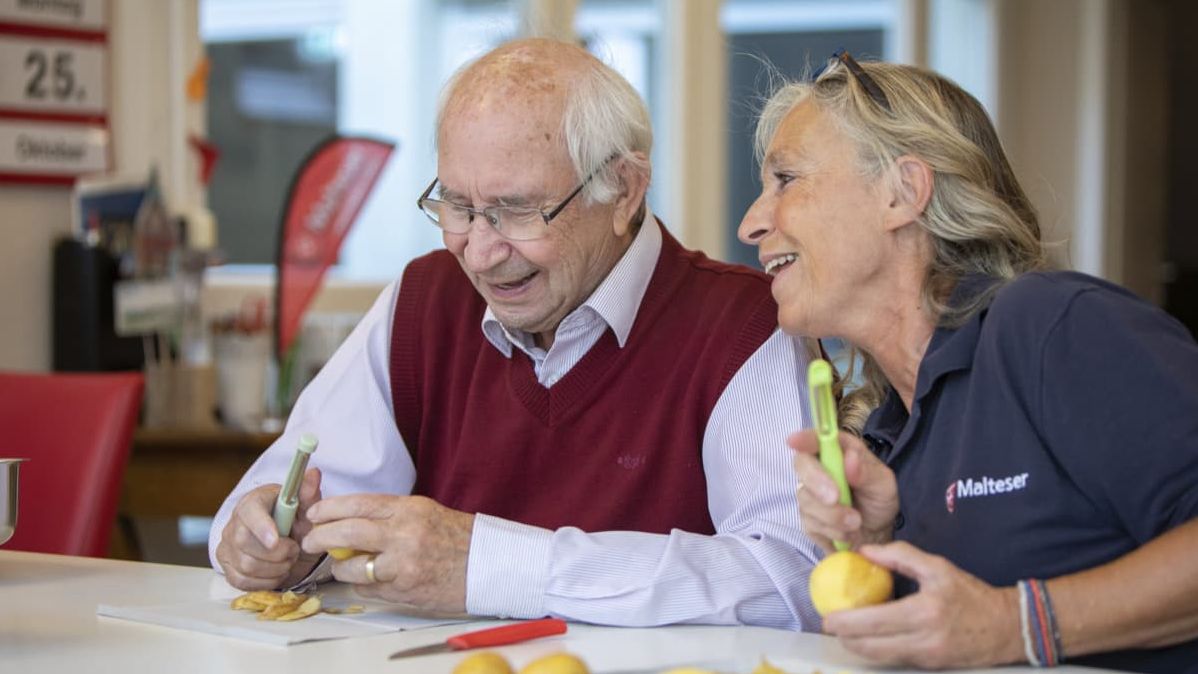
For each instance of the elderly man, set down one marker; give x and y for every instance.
(565, 413)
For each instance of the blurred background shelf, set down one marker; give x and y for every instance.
(175, 482)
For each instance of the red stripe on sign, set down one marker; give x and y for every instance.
(68, 117)
(96, 36)
(31, 179)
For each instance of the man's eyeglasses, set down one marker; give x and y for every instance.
(518, 223)
(871, 87)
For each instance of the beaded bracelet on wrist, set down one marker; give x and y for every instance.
(1041, 636)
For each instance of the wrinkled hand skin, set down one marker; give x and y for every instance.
(251, 553)
(420, 548)
(872, 483)
(955, 620)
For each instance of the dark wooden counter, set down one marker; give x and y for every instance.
(177, 472)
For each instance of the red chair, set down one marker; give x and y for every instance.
(76, 430)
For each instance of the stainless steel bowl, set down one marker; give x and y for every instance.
(10, 472)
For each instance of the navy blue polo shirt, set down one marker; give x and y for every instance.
(1051, 432)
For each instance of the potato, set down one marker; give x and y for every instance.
(485, 662)
(558, 663)
(341, 554)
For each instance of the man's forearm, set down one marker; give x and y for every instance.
(637, 579)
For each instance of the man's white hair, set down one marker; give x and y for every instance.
(604, 121)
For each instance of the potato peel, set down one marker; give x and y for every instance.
(348, 610)
(289, 602)
(286, 606)
(309, 607)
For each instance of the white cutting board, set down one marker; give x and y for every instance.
(213, 616)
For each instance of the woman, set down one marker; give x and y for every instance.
(1029, 465)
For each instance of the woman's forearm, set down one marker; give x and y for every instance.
(1145, 599)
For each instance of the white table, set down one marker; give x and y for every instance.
(48, 624)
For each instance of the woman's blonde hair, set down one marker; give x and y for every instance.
(978, 220)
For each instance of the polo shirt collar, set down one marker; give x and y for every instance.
(616, 300)
(951, 349)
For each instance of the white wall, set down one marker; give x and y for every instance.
(1039, 99)
(690, 157)
(32, 218)
(153, 46)
(1081, 104)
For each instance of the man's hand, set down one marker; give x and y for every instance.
(875, 494)
(420, 548)
(251, 553)
(955, 620)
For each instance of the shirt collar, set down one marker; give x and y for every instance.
(616, 300)
(951, 349)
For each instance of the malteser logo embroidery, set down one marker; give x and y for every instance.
(983, 486)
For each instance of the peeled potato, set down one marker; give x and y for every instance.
(763, 668)
(845, 580)
(486, 662)
(342, 554)
(558, 663)
(766, 668)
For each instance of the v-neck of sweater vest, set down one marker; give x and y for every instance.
(558, 402)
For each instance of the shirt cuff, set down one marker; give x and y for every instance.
(507, 571)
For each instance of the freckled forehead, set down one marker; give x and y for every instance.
(506, 116)
(497, 150)
(501, 128)
(530, 78)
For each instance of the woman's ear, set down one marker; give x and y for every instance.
(911, 191)
(632, 185)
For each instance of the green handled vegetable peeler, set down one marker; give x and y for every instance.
(288, 501)
(823, 406)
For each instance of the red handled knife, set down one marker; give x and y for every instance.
(493, 636)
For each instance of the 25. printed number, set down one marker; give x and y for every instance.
(50, 73)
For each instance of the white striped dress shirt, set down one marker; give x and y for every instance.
(754, 570)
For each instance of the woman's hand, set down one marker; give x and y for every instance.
(875, 494)
(954, 620)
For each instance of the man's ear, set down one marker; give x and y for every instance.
(632, 184)
(911, 189)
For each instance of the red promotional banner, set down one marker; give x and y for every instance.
(326, 194)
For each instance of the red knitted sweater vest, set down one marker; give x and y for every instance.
(616, 443)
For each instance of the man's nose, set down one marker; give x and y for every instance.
(484, 246)
(756, 223)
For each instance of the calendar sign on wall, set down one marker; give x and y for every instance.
(54, 90)
(54, 76)
(80, 15)
(53, 149)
